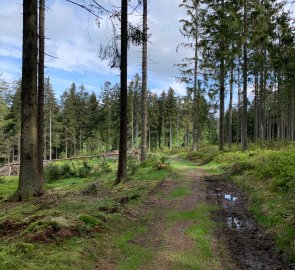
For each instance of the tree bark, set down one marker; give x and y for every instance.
(256, 125)
(50, 135)
(239, 108)
(245, 81)
(29, 182)
(144, 85)
(230, 121)
(221, 106)
(170, 134)
(122, 166)
(195, 88)
(41, 88)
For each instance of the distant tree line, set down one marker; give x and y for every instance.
(82, 123)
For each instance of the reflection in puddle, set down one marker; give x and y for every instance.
(230, 197)
(235, 223)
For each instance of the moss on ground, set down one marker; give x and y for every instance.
(68, 230)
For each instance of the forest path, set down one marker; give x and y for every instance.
(190, 223)
(181, 233)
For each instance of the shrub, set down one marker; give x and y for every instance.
(105, 167)
(132, 166)
(66, 171)
(240, 167)
(52, 172)
(152, 161)
(164, 159)
(85, 170)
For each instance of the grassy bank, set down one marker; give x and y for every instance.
(268, 176)
(70, 226)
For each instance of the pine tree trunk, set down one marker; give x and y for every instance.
(29, 182)
(279, 108)
(41, 88)
(164, 131)
(18, 148)
(195, 90)
(256, 127)
(122, 166)
(221, 105)
(136, 130)
(144, 85)
(239, 109)
(109, 130)
(149, 138)
(132, 122)
(245, 82)
(50, 135)
(230, 109)
(170, 133)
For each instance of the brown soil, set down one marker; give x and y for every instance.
(248, 242)
(163, 237)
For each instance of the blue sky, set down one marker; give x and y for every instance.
(74, 38)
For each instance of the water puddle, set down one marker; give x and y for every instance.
(230, 197)
(235, 223)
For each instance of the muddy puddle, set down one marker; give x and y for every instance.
(250, 246)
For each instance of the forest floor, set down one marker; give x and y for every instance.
(199, 224)
(181, 217)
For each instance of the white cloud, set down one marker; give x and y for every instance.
(74, 38)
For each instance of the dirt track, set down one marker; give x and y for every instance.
(250, 245)
(238, 241)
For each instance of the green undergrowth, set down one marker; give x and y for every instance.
(132, 256)
(202, 232)
(66, 229)
(267, 173)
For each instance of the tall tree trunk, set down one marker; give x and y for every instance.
(144, 85)
(239, 108)
(29, 182)
(292, 111)
(256, 125)
(136, 130)
(195, 87)
(109, 129)
(164, 131)
(18, 148)
(230, 109)
(221, 105)
(261, 100)
(279, 108)
(122, 166)
(245, 81)
(132, 122)
(50, 135)
(41, 88)
(149, 138)
(45, 143)
(170, 134)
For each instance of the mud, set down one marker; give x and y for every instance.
(248, 242)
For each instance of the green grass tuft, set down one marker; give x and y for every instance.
(179, 192)
(89, 220)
